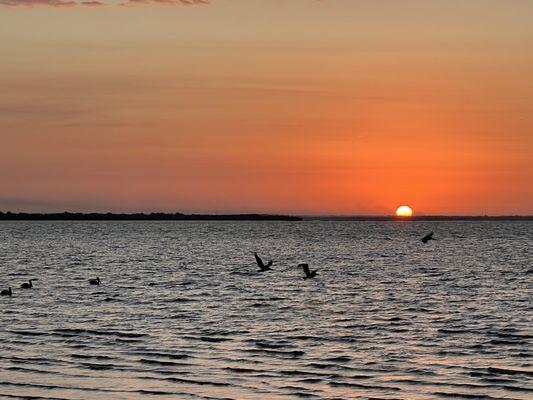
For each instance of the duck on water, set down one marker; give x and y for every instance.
(28, 285)
(94, 281)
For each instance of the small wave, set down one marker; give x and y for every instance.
(32, 370)
(291, 354)
(159, 393)
(243, 370)
(109, 299)
(505, 371)
(161, 363)
(180, 300)
(11, 396)
(270, 345)
(214, 339)
(33, 360)
(162, 355)
(362, 386)
(95, 332)
(465, 396)
(28, 333)
(85, 356)
(311, 380)
(502, 342)
(99, 367)
(192, 381)
(340, 359)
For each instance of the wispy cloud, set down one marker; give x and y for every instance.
(35, 3)
(92, 3)
(96, 3)
(170, 2)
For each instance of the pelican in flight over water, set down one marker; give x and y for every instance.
(428, 237)
(308, 273)
(27, 285)
(262, 266)
(94, 281)
(6, 292)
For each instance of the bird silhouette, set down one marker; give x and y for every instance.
(94, 281)
(27, 285)
(308, 273)
(262, 266)
(428, 237)
(6, 292)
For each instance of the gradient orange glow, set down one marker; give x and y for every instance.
(331, 107)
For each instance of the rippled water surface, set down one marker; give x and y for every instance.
(182, 312)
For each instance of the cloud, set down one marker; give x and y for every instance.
(170, 2)
(92, 3)
(34, 3)
(95, 3)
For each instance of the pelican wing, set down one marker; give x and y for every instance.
(259, 261)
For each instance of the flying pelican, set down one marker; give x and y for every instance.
(94, 281)
(428, 237)
(28, 285)
(6, 292)
(308, 273)
(261, 264)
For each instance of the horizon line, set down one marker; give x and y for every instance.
(155, 215)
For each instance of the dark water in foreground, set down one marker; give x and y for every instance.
(183, 314)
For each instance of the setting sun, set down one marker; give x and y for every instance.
(404, 211)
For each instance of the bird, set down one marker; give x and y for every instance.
(6, 292)
(94, 281)
(27, 285)
(308, 273)
(428, 237)
(262, 266)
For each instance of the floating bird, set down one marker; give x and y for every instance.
(6, 292)
(28, 285)
(94, 281)
(428, 237)
(262, 266)
(308, 273)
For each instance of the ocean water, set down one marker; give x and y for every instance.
(182, 312)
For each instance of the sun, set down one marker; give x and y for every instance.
(404, 211)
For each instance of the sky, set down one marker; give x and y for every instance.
(272, 106)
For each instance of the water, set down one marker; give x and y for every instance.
(183, 314)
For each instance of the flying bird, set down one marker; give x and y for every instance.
(27, 285)
(308, 273)
(94, 281)
(428, 237)
(262, 266)
(6, 292)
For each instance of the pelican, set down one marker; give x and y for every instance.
(94, 281)
(308, 273)
(28, 285)
(261, 264)
(428, 237)
(6, 292)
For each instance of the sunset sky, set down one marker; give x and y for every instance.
(286, 106)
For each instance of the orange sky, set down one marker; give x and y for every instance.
(300, 106)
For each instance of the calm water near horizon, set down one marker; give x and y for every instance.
(182, 312)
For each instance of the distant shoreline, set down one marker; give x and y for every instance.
(74, 216)
(68, 216)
